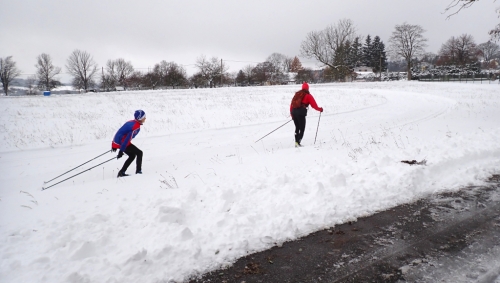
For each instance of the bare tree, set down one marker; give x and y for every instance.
(489, 50)
(8, 72)
(448, 52)
(280, 62)
(151, 79)
(459, 50)
(322, 45)
(175, 75)
(111, 76)
(287, 64)
(430, 58)
(495, 32)
(279, 65)
(212, 70)
(31, 84)
(160, 72)
(170, 74)
(247, 70)
(107, 82)
(197, 80)
(123, 71)
(262, 73)
(458, 5)
(407, 41)
(46, 72)
(83, 69)
(119, 71)
(230, 78)
(136, 80)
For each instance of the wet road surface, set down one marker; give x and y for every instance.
(450, 237)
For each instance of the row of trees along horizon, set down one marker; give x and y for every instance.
(338, 48)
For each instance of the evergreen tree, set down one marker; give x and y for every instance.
(241, 78)
(342, 64)
(356, 53)
(367, 52)
(379, 59)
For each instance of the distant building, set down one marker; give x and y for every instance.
(291, 78)
(424, 66)
(363, 69)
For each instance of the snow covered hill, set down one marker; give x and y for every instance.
(210, 194)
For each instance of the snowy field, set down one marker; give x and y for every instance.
(210, 194)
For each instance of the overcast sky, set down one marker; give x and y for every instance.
(148, 31)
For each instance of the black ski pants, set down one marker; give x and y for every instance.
(300, 127)
(132, 151)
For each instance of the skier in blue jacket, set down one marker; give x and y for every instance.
(123, 142)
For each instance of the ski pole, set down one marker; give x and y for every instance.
(273, 131)
(78, 174)
(76, 167)
(317, 128)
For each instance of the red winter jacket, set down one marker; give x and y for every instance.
(308, 99)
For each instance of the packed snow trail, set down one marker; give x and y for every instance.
(208, 193)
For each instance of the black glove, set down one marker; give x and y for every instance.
(113, 149)
(120, 154)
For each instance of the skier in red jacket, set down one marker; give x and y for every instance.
(298, 110)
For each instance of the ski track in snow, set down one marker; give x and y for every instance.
(210, 194)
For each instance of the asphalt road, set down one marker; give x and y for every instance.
(451, 237)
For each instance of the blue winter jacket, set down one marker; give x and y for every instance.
(125, 135)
